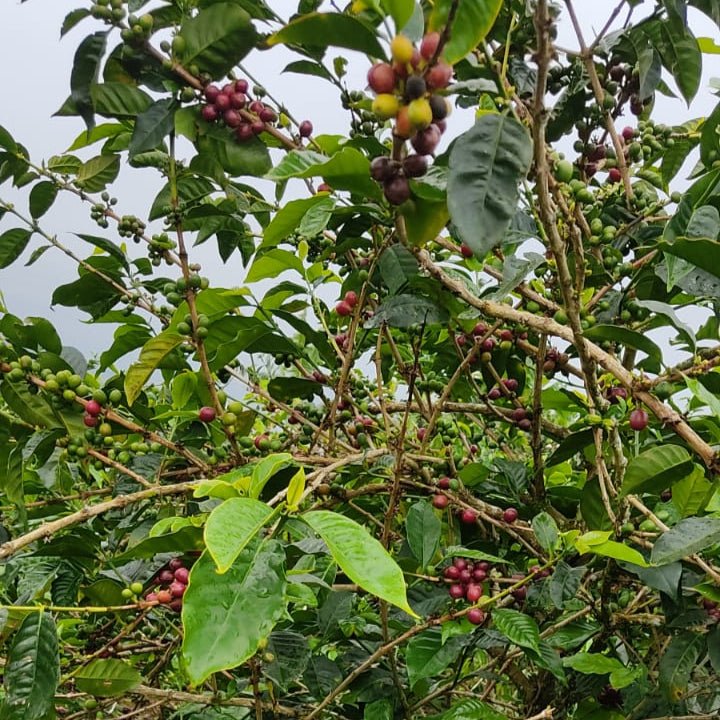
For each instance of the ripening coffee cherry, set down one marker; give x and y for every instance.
(305, 129)
(440, 501)
(397, 190)
(439, 76)
(164, 597)
(383, 168)
(457, 591)
(401, 49)
(439, 106)
(614, 175)
(177, 589)
(206, 414)
(222, 102)
(466, 251)
(381, 78)
(469, 516)
(403, 127)
(414, 166)
(211, 93)
(638, 419)
(232, 118)
(425, 141)
(451, 573)
(90, 420)
(429, 45)
(238, 100)
(351, 298)
(343, 309)
(510, 515)
(415, 87)
(267, 115)
(420, 113)
(444, 483)
(92, 407)
(473, 592)
(475, 616)
(241, 86)
(209, 113)
(385, 106)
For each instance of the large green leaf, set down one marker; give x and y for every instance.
(689, 536)
(627, 337)
(427, 655)
(98, 172)
(226, 617)
(320, 30)
(473, 21)
(118, 100)
(153, 353)
(517, 627)
(291, 215)
(397, 267)
(217, 38)
(360, 556)
(86, 66)
(231, 526)
(400, 10)
(402, 311)
(42, 196)
(423, 532)
(152, 126)
(106, 678)
(692, 494)
(347, 169)
(273, 263)
(657, 469)
(678, 662)
(32, 670)
(12, 243)
(487, 164)
(597, 664)
(469, 709)
(265, 469)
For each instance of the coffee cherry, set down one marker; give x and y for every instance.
(614, 175)
(385, 106)
(181, 575)
(415, 87)
(232, 118)
(476, 616)
(466, 251)
(381, 78)
(444, 483)
(469, 516)
(439, 76)
(211, 93)
(383, 168)
(429, 45)
(92, 407)
(457, 591)
(267, 115)
(473, 592)
(638, 419)
(425, 141)
(420, 113)
(439, 106)
(324, 187)
(343, 309)
(440, 501)
(238, 100)
(164, 597)
(510, 515)
(397, 190)
(414, 166)
(403, 127)
(244, 132)
(90, 420)
(451, 573)
(628, 133)
(257, 127)
(479, 574)
(206, 414)
(401, 49)
(305, 129)
(175, 563)
(222, 102)
(241, 85)
(209, 113)
(351, 298)
(177, 589)
(165, 577)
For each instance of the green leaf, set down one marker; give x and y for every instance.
(32, 670)
(272, 263)
(30, 407)
(97, 172)
(615, 550)
(656, 469)
(361, 557)
(107, 678)
(347, 169)
(427, 655)
(180, 541)
(397, 267)
(99, 132)
(189, 191)
(487, 164)
(423, 532)
(473, 21)
(292, 652)
(469, 710)
(289, 217)
(217, 38)
(265, 469)
(153, 353)
(107, 245)
(118, 100)
(400, 10)
(86, 66)
(546, 531)
(320, 30)
(424, 219)
(231, 526)
(597, 664)
(12, 243)
(666, 579)
(678, 662)
(225, 617)
(152, 126)
(517, 627)
(627, 337)
(564, 583)
(688, 537)
(296, 487)
(6, 141)
(42, 196)
(692, 494)
(402, 311)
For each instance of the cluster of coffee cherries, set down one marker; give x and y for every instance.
(465, 578)
(406, 91)
(131, 226)
(232, 105)
(346, 305)
(171, 583)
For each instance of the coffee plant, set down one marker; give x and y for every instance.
(447, 447)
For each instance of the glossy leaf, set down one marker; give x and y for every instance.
(546, 531)
(12, 244)
(473, 21)
(427, 655)
(397, 267)
(320, 30)
(95, 174)
(107, 678)
(564, 583)
(152, 126)
(32, 669)
(118, 100)
(42, 197)
(402, 311)
(360, 556)
(656, 469)
(296, 487)
(487, 164)
(265, 469)
(231, 526)
(423, 532)
(689, 536)
(153, 353)
(517, 627)
(291, 651)
(400, 10)
(217, 38)
(677, 663)
(692, 494)
(627, 337)
(86, 66)
(225, 617)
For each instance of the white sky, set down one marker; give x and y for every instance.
(35, 76)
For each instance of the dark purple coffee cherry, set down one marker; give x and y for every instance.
(305, 129)
(383, 168)
(439, 107)
(415, 87)
(427, 140)
(415, 166)
(397, 190)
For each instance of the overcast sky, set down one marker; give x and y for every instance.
(35, 75)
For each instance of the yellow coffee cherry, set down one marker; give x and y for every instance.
(385, 106)
(401, 48)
